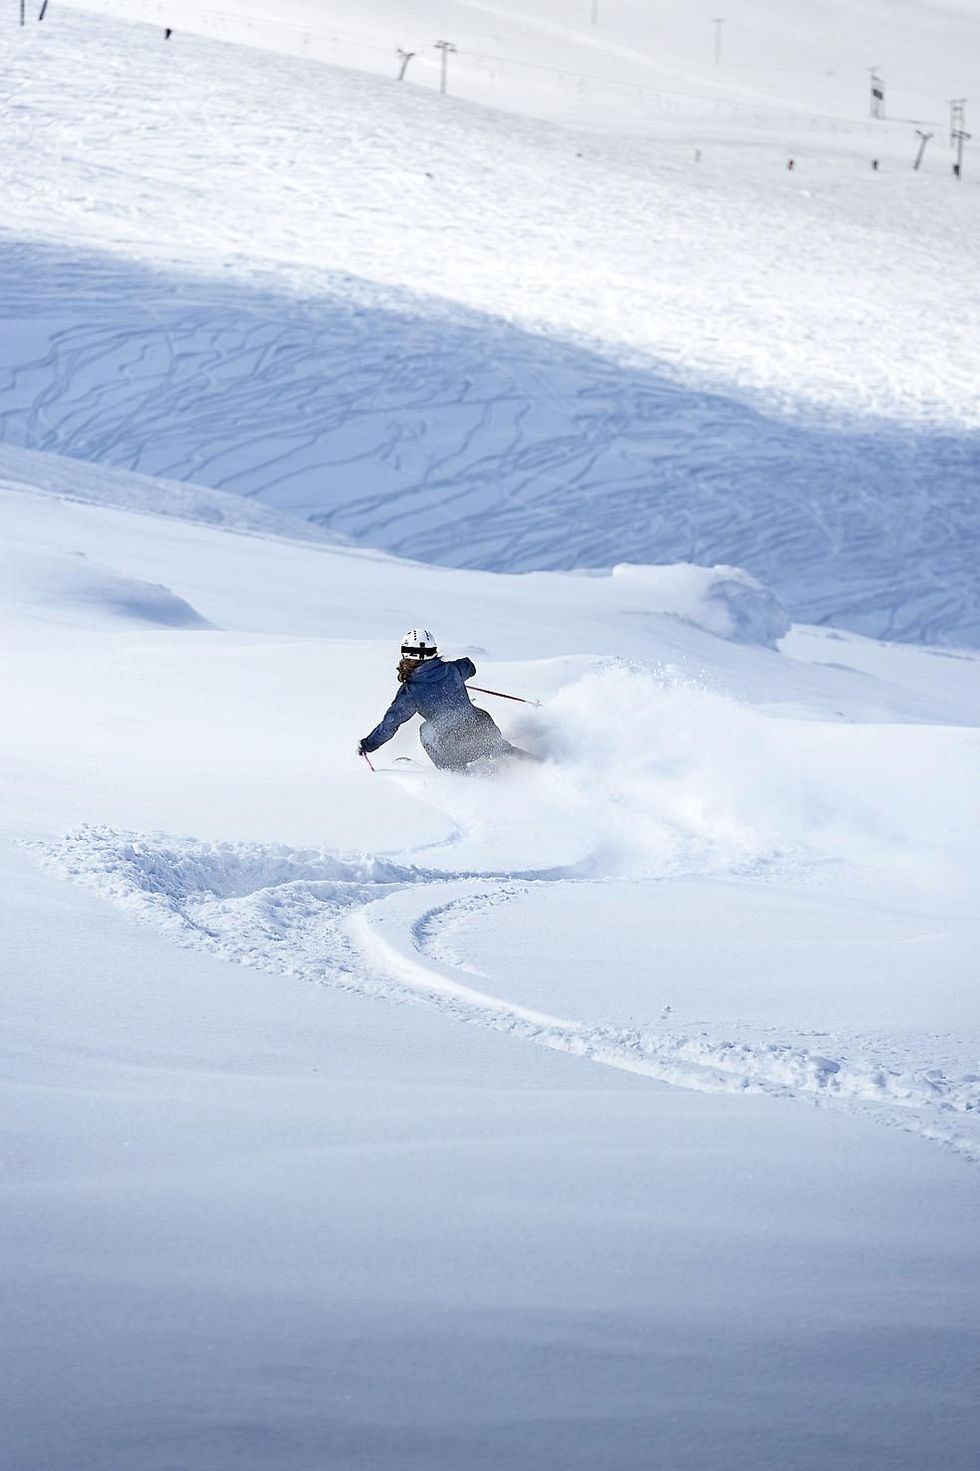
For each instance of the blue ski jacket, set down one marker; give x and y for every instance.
(436, 690)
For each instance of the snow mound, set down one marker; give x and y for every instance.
(72, 589)
(725, 601)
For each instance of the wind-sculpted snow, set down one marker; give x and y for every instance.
(456, 439)
(70, 588)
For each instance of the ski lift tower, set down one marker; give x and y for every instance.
(961, 137)
(922, 147)
(957, 118)
(445, 47)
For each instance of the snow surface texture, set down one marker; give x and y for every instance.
(651, 777)
(241, 1211)
(248, 1221)
(34, 473)
(57, 586)
(759, 377)
(840, 289)
(376, 926)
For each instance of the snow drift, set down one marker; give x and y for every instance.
(73, 589)
(725, 601)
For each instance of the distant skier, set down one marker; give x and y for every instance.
(455, 733)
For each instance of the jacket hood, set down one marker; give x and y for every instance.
(430, 670)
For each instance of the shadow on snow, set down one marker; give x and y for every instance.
(450, 437)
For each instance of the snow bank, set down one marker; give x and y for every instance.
(725, 601)
(70, 588)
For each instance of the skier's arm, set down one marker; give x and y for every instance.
(402, 708)
(466, 667)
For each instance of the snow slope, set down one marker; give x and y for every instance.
(620, 1110)
(464, 442)
(567, 58)
(733, 272)
(243, 1211)
(470, 337)
(247, 1223)
(640, 788)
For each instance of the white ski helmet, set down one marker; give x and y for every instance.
(419, 643)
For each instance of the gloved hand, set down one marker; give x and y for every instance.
(360, 749)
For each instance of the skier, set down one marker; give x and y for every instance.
(455, 732)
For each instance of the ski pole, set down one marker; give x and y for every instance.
(367, 759)
(501, 696)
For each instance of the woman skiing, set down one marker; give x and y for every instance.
(454, 732)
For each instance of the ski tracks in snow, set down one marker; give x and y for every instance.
(383, 927)
(458, 439)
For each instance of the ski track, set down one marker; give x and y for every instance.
(383, 927)
(458, 440)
